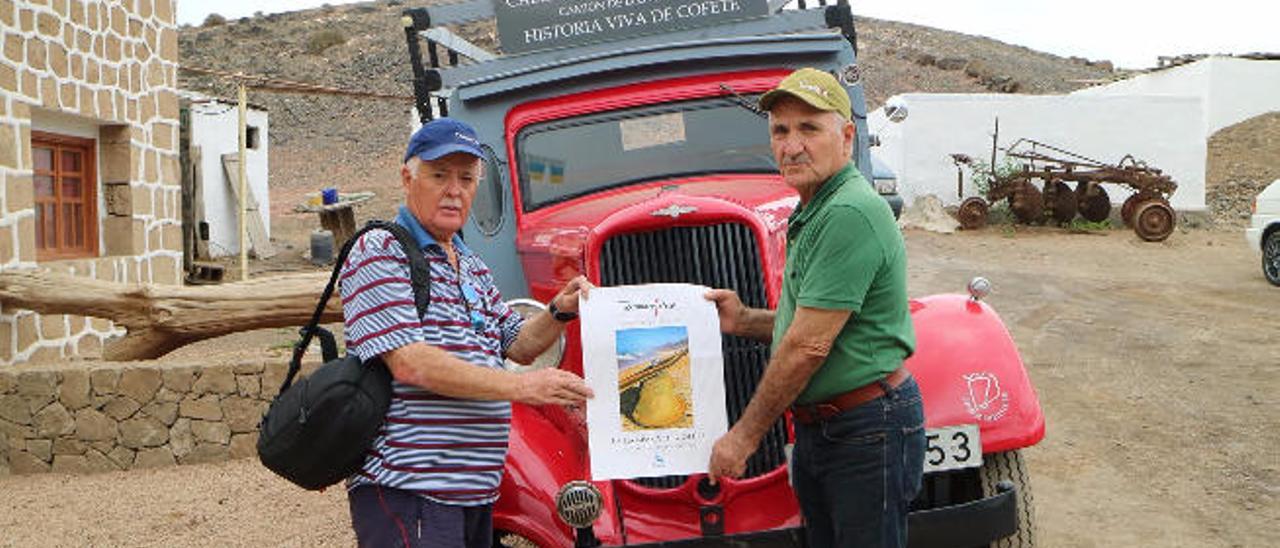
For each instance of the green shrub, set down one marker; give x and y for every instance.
(320, 41)
(1080, 224)
(214, 20)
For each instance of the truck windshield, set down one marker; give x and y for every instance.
(571, 157)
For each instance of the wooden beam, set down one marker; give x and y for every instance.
(162, 318)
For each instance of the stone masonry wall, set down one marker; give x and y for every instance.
(112, 63)
(103, 416)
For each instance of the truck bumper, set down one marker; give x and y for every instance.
(777, 538)
(975, 523)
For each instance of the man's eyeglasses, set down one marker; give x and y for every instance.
(474, 305)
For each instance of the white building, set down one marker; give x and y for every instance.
(1165, 132)
(1164, 118)
(213, 133)
(1233, 89)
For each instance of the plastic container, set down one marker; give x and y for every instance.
(329, 196)
(321, 247)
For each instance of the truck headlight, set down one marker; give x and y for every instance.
(979, 288)
(579, 504)
(886, 186)
(528, 308)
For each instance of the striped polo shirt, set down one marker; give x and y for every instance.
(446, 449)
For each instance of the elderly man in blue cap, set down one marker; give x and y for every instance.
(432, 475)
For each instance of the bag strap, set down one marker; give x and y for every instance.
(419, 276)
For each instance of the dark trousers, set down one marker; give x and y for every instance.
(384, 517)
(855, 473)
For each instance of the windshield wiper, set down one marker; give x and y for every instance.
(740, 100)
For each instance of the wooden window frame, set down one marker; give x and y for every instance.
(89, 192)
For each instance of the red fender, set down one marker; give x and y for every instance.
(969, 371)
(546, 450)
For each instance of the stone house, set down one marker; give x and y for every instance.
(89, 168)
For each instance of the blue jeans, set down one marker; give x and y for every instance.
(855, 473)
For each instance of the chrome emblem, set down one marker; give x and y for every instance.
(673, 211)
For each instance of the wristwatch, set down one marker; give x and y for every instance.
(560, 315)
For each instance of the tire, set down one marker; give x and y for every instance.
(1008, 466)
(1271, 257)
(504, 539)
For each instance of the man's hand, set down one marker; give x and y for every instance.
(567, 299)
(729, 455)
(551, 386)
(730, 309)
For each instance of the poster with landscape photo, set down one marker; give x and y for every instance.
(652, 354)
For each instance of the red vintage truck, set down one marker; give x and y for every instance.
(623, 144)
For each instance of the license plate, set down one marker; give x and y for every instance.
(952, 448)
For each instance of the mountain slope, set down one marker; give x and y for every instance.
(355, 144)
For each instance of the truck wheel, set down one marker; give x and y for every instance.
(1008, 466)
(1271, 257)
(504, 539)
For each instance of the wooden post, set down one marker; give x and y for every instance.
(187, 180)
(244, 188)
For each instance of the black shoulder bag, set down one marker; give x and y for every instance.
(317, 430)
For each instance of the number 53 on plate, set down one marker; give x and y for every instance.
(952, 448)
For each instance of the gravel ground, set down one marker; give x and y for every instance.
(1154, 363)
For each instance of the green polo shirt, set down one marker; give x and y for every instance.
(844, 251)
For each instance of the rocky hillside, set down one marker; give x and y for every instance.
(1243, 160)
(355, 143)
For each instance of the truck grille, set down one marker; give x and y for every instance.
(721, 256)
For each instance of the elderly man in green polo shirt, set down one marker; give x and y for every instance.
(840, 334)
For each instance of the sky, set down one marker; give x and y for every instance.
(641, 342)
(1129, 33)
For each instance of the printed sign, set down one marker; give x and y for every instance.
(652, 355)
(532, 25)
(651, 131)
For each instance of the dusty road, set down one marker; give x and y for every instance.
(1158, 366)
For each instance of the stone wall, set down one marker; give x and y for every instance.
(102, 416)
(112, 65)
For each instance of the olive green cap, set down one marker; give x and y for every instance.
(815, 87)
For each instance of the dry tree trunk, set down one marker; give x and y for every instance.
(161, 318)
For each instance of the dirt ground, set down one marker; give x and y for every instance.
(1156, 365)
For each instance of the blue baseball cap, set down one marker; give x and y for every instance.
(441, 137)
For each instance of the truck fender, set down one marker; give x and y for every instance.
(545, 451)
(970, 372)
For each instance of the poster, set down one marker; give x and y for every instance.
(652, 355)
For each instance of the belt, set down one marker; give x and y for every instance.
(805, 414)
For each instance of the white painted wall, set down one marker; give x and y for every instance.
(214, 129)
(1165, 131)
(1233, 89)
